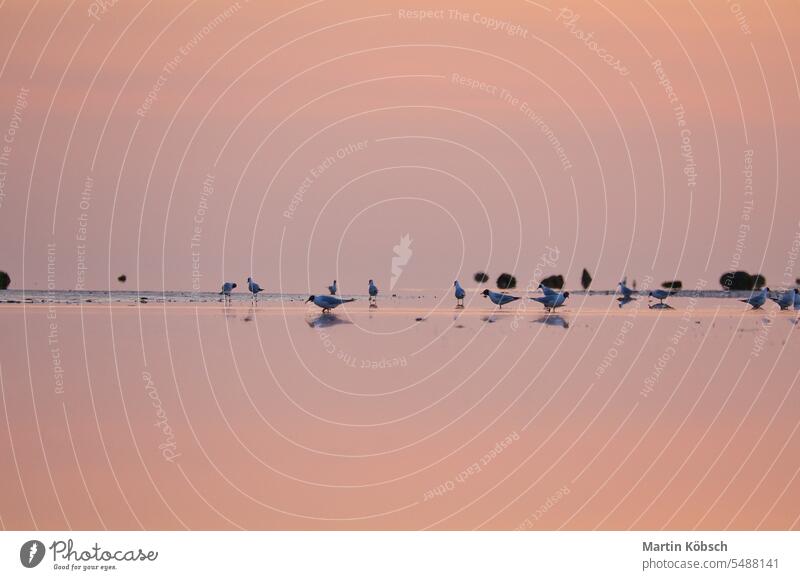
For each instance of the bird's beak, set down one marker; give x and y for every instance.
(307, 301)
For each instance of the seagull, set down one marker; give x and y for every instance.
(332, 288)
(785, 300)
(552, 301)
(547, 291)
(627, 293)
(796, 299)
(254, 288)
(373, 294)
(459, 294)
(498, 298)
(757, 300)
(661, 295)
(328, 303)
(227, 287)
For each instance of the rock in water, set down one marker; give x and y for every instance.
(5, 280)
(556, 282)
(586, 279)
(506, 281)
(481, 277)
(672, 285)
(740, 280)
(122, 278)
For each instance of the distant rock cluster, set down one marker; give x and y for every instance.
(742, 281)
(506, 281)
(5, 280)
(556, 281)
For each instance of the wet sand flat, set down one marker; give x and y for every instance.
(412, 415)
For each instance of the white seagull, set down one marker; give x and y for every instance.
(328, 303)
(373, 294)
(547, 291)
(786, 299)
(459, 291)
(499, 298)
(627, 293)
(333, 288)
(552, 301)
(227, 287)
(661, 295)
(254, 288)
(757, 300)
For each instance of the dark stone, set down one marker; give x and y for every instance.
(586, 279)
(672, 285)
(556, 281)
(5, 280)
(506, 281)
(741, 281)
(481, 277)
(122, 278)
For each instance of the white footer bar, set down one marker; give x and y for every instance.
(390, 555)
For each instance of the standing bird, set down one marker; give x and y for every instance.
(254, 289)
(661, 295)
(547, 291)
(499, 298)
(328, 303)
(552, 301)
(459, 294)
(227, 287)
(627, 293)
(757, 300)
(373, 294)
(333, 288)
(785, 300)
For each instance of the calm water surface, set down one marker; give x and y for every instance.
(170, 414)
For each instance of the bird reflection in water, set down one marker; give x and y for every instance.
(326, 320)
(553, 320)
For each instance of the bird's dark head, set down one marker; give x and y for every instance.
(371, 282)
(233, 285)
(566, 294)
(249, 279)
(310, 299)
(767, 289)
(485, 292)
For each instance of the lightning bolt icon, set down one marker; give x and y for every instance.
(34, 549)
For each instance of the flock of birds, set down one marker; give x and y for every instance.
(550, 299)
(786, 300)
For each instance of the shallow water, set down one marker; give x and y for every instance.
(175, 414)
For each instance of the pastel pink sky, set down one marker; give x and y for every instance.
(266, 92)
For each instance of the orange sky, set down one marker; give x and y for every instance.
(486, 133)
